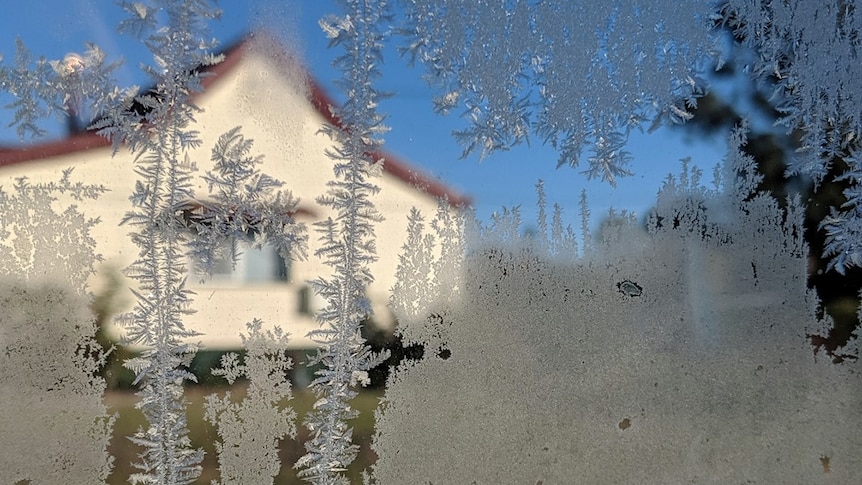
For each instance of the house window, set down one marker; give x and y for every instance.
(254, 265)
(264, 264)
(308, 302)
(304, 301)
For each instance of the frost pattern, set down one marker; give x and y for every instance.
(678, 389)
(245, 206)
(159, 133)
(54, 427)
(348, 246)
(40, 222)
(156, 126)
(844, 227)
(252, 427)
(581, 76)
(575, 73)
(72, 87)
(699, 372)
(811, 52)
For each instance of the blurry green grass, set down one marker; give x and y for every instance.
(204, 435)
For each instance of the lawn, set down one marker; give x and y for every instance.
(204, 435)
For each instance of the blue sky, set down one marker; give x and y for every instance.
(54, 27)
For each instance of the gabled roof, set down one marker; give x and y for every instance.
(88, 140)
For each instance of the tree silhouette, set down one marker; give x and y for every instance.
(772, 149)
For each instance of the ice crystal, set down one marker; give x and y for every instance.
(347, 246)
(672, 354)
(581, 76)
(810, 51)
(159, 134)
(844, 227)
(73, 87)
(575, 73)
(251, 428)
(245, 206)
(54, 426)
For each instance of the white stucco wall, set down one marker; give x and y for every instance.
(269, 102)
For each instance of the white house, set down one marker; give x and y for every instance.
(262, 88)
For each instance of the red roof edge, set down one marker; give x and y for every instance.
(324, 104)
(77, 142)
(318, 97)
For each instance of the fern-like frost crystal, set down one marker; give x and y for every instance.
(347, 246)
(250, 429)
